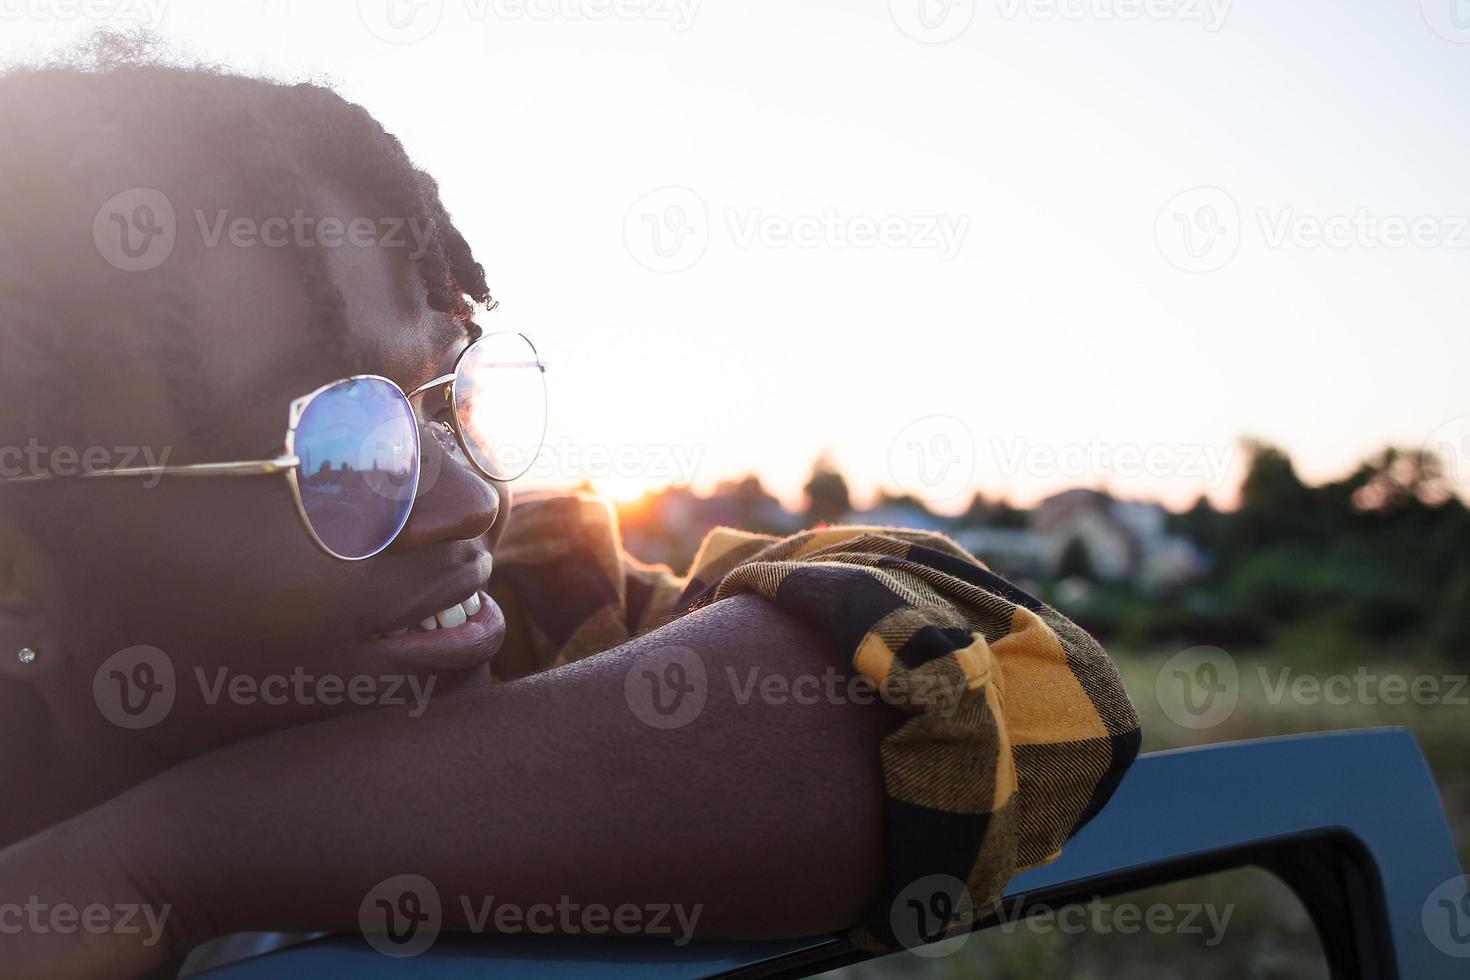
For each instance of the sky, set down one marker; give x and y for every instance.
(999, 245)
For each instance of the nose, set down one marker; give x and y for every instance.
(454, 502)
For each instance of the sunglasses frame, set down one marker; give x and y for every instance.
(289, 463)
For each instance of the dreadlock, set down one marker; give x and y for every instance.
(112, 116)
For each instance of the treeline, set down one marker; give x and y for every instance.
(1378, 559)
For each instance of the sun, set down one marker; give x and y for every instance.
(624, 489)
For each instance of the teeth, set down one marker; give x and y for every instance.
(453, 617)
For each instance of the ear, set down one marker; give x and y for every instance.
(23, 627)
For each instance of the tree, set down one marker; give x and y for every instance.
(1275, 505)
(826, 492)
(1396, 480)
(906, 500)
(1004, 515)
(1200, 524)
(1076, 562)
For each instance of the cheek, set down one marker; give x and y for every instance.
(207, 570)
(502, 518)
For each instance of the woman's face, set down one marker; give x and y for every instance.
(261, 628)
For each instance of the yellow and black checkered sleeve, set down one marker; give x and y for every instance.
(567, 587)
(1017, 726)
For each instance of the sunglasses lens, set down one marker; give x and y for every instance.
(358, 442)
(500, 401)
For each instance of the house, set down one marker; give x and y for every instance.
(1112, 540)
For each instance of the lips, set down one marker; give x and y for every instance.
(452, 648)
(456, 627)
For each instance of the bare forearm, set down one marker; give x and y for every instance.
(763, 813)
(70, 909)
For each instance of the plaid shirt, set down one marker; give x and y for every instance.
(980, 785)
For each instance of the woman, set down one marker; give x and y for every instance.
(244, 701)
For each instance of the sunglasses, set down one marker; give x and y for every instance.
(352, 451)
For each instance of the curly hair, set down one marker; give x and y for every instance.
(113, 115)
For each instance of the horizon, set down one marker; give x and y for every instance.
(880, 497)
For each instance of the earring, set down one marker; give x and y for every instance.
(27, 655)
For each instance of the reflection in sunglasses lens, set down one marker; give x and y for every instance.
(358, 442)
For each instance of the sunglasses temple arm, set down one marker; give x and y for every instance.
(255, 467)
(445, 379)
